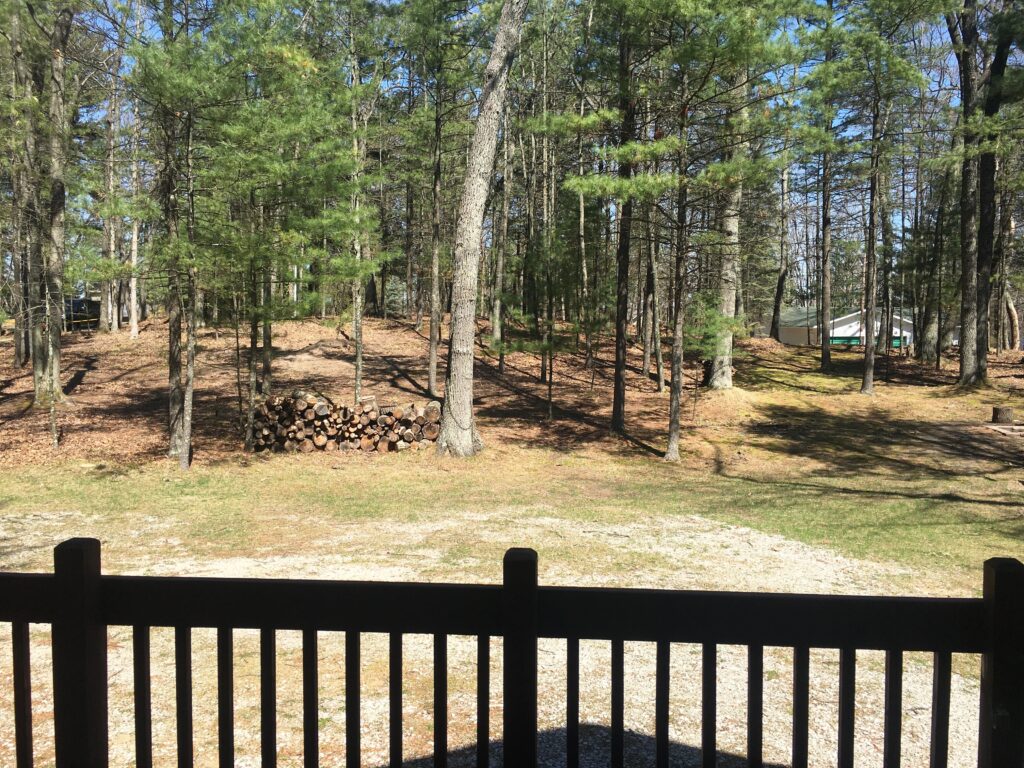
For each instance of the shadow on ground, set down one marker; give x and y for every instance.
(849, 442)
(594, 751)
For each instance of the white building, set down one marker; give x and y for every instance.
(799, 326)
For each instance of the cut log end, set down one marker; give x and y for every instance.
(1002, 414)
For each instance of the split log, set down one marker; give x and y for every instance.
(432, 413)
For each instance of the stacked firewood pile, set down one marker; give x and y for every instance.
(307, 422)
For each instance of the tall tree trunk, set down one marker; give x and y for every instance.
(133, 281)
(825, 276)
(1013, 322)
(659, 363)
(963, 33)
(499, 265)
(21, 224)
(987, 217)
(780, 283)
(678, 338)
(885, 332)
(30, 73)
(927, 344)
(721, 365)
(876, 192)
(110, 315)
(185, 454)
(176, 393)
(458, 429)
(268, 335)
(54, 263)
(647, 296)
(254, 337)
(359, 153)
(581, 218)
(435, 251)
(627, 130)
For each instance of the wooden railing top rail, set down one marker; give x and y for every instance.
(28, 597)
(772, 619)
(365, 606)
(740, 618)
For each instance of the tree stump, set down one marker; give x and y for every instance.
(1002, 414)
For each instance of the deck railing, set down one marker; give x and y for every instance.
(80, 603)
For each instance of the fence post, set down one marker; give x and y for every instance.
(79, 658)
(520, 658)
(1001, 737)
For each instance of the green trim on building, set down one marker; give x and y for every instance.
(853, 341)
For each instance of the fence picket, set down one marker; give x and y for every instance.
(893, 709)
(755, 705)
(310, 700)
(662, 688)
(941, 673)
(225, 697)
(801, 704)
(483, 700)
(618, 675)
(395, 698)
(440, 701)
(143, 697)
(847, 695)
(572, 702)
(268, 698)
(353, 722)
(22, 661)
(183, 694)
(709, 705)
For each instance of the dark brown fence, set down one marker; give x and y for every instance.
(80, 603)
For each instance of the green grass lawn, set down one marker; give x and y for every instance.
(944, 526)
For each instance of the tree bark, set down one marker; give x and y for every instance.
(133, 280)
(988, 218)
(963, 34)
(21, 179)
(678, 320)
(875, 193)
(721, 365)
(627, 129)
(54, 262)
(435, 251)
(825, 306)
(110, 314)
(499, 263)
(780, 283)
(458, 429)
(659, 363)
(268, 335)
(1013, 323)
(185, 454)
